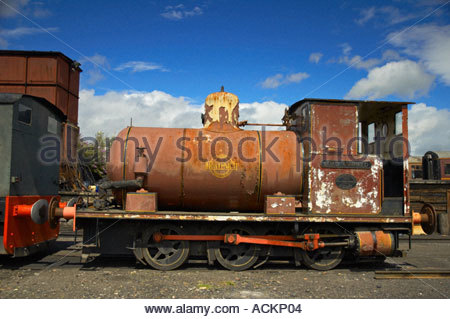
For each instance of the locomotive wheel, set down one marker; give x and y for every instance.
(430, 226)
(323, 258)
(167, 254)
(237, 257)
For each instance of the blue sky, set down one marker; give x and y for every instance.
(141, 58)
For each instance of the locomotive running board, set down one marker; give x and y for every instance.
(242, 217)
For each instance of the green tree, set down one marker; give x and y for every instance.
(92, 153)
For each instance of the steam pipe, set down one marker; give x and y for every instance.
(134, 183)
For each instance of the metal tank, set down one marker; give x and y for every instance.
(218, 168)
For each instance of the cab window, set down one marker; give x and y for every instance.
(24, 114)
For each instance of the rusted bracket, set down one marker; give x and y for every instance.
(427, 219)
(59, 210)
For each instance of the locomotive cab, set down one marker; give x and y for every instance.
(355, 156)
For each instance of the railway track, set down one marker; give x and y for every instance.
(413, 274)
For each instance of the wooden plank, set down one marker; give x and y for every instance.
(430, 186)
(429, 199)
(439, 208)
(429, 190)
(436, 194)
(428, 182)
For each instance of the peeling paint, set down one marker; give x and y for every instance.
(238, 217)
(327, 197)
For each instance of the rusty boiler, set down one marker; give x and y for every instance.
(217, 168)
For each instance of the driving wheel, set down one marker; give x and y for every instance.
(323, 258)
(165, 254)
(237, 257)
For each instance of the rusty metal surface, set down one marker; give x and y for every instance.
(72, 109)
(141, 202)
(12, 89)
(13, 70)
(254, 217)
(54, 94)
(334, 127)
(280, 205)
(332, 193)
(74, 81)
(50, 75)
(210, 176)
(329, 132)
(375, 243)
(43, 70)
(47, 68)
(221, 108)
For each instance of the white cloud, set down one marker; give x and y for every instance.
(140, 66)
(429, 43)
(358, 62)
(428, 129)
(366, 15)
(392, 15)
(315, 57)
(24, 31)
(96, 59)
(279, 79)
(406, 79)
(97, 64)
(11, 34)
(94, 67)
(9, 8)
(268, 112)
(93, 76)
(13, 8)
(40, 12)
(112, 111)
(179, 12)
(385, 15)
(346, 48)
(272, 81)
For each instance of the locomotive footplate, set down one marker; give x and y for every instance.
(405, 221)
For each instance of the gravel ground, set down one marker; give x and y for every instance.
(60, 275)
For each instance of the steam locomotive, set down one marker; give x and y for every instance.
(332, 183)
